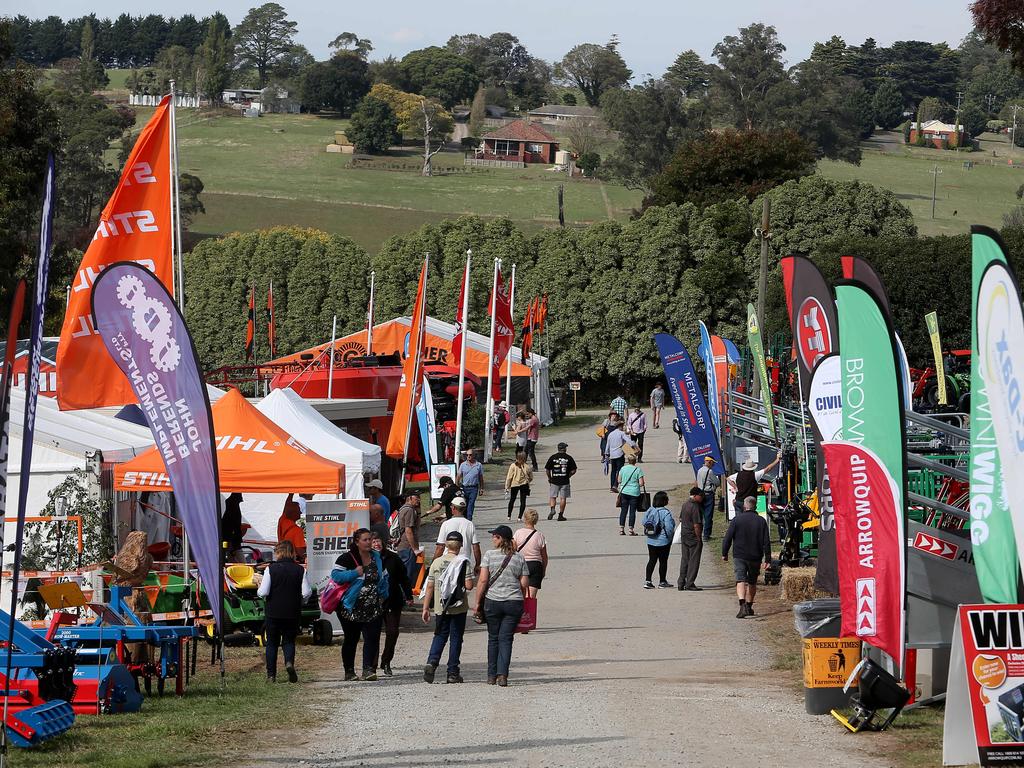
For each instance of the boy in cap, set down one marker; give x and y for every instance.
(560, 468)
(448, 580)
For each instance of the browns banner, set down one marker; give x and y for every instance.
(812, 314)
(870, 538)
(135, 226)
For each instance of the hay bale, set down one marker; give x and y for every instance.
(798, 585)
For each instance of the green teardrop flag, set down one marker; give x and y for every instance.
(761, 369)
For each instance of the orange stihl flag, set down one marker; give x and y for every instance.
(412, 376)
(135, 226)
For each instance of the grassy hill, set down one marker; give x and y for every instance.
(275, 170)
(980, 194)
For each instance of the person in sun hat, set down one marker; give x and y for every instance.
(746, 482)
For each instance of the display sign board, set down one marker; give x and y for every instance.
(575, 386)
(437, 471)
(329, 527)
(984, 721)
(828, 661)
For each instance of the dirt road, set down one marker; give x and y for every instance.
(616, 675)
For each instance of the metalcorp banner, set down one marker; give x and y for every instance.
(1000, 324)
(146, 336)
(870, 542)
(691, 410)
(931, 320)
(708, 357)
(992, 528)
(760, 367)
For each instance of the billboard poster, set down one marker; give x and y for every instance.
(984, 719)
(329, 528)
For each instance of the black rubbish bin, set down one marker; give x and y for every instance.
(828, 658)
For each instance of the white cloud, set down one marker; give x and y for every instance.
(405, 35)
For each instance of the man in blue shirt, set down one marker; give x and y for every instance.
(375, 493)
(471, 479)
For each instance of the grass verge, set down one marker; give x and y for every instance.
(212, 725)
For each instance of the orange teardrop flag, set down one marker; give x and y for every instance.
(412, 376)
(135, 226)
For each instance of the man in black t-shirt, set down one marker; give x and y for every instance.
(560, 468)
(449, 490)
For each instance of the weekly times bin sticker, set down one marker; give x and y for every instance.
(828, 661)
(986, 688)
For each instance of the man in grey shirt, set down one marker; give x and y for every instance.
(708, 482)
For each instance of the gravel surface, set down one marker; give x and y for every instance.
(615, 676)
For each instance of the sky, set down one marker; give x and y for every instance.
(651, 32)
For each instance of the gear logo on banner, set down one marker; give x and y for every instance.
(151, 320)
(814, 332)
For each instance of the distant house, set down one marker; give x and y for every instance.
(270, 99)
(520, 141)
(561, 113)
(937, 133)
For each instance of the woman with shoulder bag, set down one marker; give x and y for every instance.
(531, 544)
(659, 525)
(631, 487)
(362, 607)
(503, 585)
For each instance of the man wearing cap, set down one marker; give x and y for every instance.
(448, 581)
(560, 468)
(449, 490)
(746, 482)
(501, 419)
(458, 522)
(708, 482)
(691, 521)
(375, 492)
(409, 538)
(471, 479)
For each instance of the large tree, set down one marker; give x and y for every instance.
(689, 74)
(264, 38)
(373, 126)
(749, 65)
(214, 61)
(350, 42)
(923, 69)
(338, 84)
(594, 69)
(887, 105)
(439, 74)
(1002, 22)
(727, 165)
(651, 120)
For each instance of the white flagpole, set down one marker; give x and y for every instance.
(369, 315)
(462, 360)
(489, 415)
(175, 287)
(176, 202)
(508, 376)
(330, 374)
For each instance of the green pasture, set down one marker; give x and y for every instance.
(964, 197)
(275, 170)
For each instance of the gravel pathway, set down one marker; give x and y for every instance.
(615, 676)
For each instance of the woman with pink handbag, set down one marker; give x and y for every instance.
(361, 608)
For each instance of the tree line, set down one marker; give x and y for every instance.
(610, 285)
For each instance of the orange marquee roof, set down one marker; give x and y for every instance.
(389, 338)
(254, 455)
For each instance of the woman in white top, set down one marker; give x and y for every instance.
(531, 544)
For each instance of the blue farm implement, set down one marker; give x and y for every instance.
(34, 725)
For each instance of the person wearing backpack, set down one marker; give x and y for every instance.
(362, 607)
(659, 525)
(449, 580)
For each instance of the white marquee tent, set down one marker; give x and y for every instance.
(299, 419)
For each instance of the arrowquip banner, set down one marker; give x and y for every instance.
(873, 420)
(691, 409)
(992, 527)
(146, 336)
(1000, 352)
